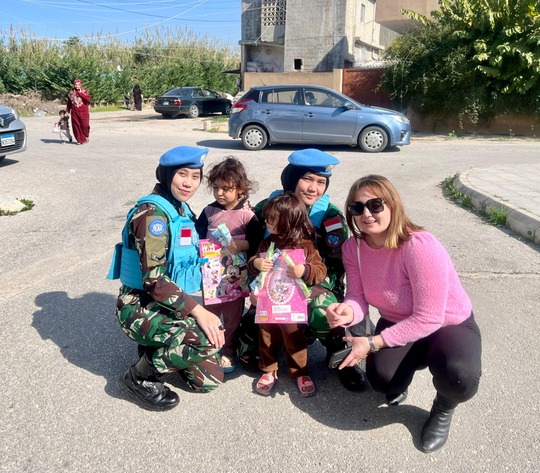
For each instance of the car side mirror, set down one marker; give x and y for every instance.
(349, 106)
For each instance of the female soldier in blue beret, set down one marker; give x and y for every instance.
(158, 264)
(308, 176)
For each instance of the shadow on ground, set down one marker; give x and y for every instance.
(87, 333)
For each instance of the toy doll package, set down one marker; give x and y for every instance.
(224, 275)
(281, 299)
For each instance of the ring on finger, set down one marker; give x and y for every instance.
(221, 327)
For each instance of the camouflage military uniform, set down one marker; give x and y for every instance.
(159, 317)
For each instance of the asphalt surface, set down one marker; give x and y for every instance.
(62, 352)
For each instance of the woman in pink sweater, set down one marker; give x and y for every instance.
(426, 316)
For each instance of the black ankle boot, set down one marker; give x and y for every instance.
(395, 399)
(435, 431)
(353, 379)
(145, 382)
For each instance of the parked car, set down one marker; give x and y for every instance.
(12, 132)
(191, 101)
(314, 115)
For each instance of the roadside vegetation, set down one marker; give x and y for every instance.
(157, 61)
(475, 58)
(495, 216)
(28, 205)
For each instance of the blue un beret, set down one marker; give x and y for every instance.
(184, 156)
(314, 160)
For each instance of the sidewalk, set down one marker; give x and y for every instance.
(512, 188)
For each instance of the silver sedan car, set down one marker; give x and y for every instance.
(314, 115)
(12, 132)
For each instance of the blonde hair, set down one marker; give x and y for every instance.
(400, 227)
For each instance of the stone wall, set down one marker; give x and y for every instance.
(507, 125)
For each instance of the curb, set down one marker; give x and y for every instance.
(519, 220)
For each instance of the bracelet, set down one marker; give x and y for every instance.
(372, 347)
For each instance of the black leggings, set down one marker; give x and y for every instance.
(452, 354)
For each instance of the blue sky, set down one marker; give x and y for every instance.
(124, 19)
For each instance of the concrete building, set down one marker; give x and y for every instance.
(320, 35)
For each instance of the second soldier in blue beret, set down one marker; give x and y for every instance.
(308, 176)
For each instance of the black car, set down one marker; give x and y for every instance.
(191, 101)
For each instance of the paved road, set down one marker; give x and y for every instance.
(61, 408)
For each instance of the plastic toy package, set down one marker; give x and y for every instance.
(281, 299)
(224, 276)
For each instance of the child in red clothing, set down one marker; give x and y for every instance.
(289, 226)
(230, 185)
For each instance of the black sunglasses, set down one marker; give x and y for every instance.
(375, 206)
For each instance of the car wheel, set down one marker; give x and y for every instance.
(194, 111)
(227, 110)
(373, 139)
(167, 115)
(254, 137)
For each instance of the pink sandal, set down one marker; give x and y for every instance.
(306, 386)
(266, 383)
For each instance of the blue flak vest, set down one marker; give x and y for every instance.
(183, 262)
(316, 212)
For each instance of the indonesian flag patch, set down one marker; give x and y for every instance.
(185, 236)
(332, 224)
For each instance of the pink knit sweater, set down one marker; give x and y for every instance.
(415, 286)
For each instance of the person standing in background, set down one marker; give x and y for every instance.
(137, 97)
(77, 107)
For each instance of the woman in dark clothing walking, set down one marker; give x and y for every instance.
(137, 97)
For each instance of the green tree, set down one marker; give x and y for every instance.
(476, 57)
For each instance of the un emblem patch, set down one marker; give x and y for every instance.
(157, 227)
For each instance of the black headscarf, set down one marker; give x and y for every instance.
(292, 174)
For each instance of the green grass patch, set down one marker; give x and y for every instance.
(450, 191)
(107, 108)
(28, 205)
(497, 216)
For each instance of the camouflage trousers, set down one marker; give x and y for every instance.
(331, 339)
(180, 344)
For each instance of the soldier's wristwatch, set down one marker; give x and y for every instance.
(372, 347)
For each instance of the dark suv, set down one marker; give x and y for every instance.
(314, 115)
(12, 132)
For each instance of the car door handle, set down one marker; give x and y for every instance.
(267, 111)
(308, 114)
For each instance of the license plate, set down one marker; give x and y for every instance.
(165, 102)
(8, 140)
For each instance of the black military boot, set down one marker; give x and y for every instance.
(353, 379)
(435, 431)
(146, 382)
